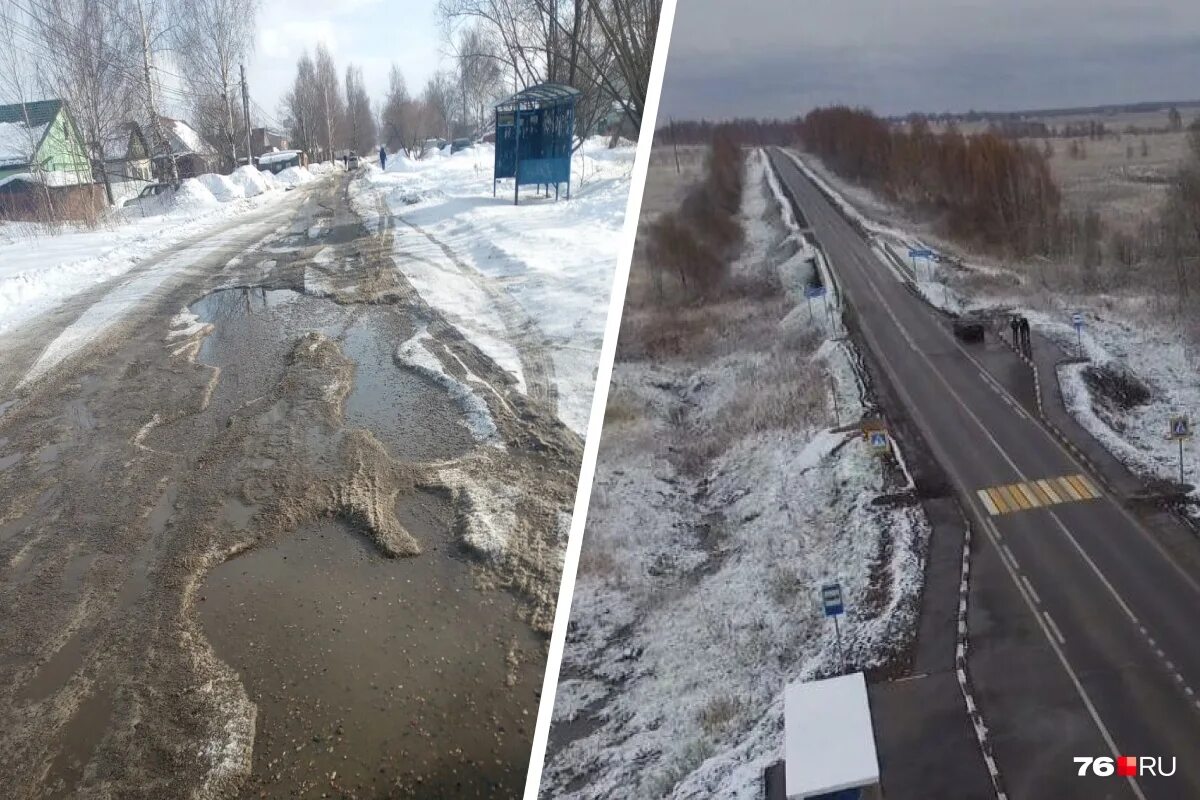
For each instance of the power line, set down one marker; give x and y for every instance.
(32, 37)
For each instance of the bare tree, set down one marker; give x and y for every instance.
(480, 75)
(17, 84)
(211, 37)
(301, 106)
(630, 28)
(91, 70)
(439, 96)
(360, 121)
(393, 113)
(328, 89)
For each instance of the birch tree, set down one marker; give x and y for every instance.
(211, 37)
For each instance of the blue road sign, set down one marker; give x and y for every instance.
(1180, 428)
(879, 440)
(831, 599)
(919, 253)
(1077, 320)
(814, 291)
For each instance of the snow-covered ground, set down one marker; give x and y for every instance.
(1135, 332)
(696, 600)
(540, 272)
(41, 266)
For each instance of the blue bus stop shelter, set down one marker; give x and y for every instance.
(534, 132)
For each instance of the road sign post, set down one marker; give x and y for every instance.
(1077, 321)
(831, 600)
(1181, 429)
(837, 412)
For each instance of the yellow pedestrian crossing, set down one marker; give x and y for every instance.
(1035, 494)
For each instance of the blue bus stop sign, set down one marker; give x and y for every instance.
(831, 599)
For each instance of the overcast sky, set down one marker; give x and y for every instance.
(782, 57)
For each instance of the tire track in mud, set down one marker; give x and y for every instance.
(537, 362)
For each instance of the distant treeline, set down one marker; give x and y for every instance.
(752, 132)
(989, 189)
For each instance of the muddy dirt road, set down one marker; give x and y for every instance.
(271, 527)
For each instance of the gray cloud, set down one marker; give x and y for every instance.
(780, 57)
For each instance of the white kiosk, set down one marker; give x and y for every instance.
(828, 742)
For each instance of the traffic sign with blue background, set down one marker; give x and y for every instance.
(1077, 320)
(919, 253)
(831, 599)
(814, 291)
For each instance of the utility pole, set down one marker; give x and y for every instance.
(246, 115)
(674, 144)
(155, 120)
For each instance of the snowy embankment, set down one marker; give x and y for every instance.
(42, 266)
(1133, 334)
(531, 281)
(697, 595)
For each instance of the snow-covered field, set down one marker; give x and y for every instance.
(539, 273)
(697, 594)
(40, 266)
(1135, 332)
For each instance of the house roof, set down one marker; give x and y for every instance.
(184, 139)
(23, 126)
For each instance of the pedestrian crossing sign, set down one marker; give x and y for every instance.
(1180, 428)
(878, 440)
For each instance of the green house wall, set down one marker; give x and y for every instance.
(61, 150)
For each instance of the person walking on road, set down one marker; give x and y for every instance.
(1026, 341)
(382, 158)
(1014, 325)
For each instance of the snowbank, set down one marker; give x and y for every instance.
(294, 176)
(41, 267)
(223, 189)
(519, 281)
(251, 181)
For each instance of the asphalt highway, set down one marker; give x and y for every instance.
(1094, 646)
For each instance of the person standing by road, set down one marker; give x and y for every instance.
(1026, 341)
(382, 158)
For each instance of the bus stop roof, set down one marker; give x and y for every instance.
(828, 742)
(539, 96)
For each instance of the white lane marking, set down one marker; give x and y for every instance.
(1004, 454)
(917, 412)
(1032, 592)
(1011, 558)
(1179, 570)
(1062, 657)
(1054, 627)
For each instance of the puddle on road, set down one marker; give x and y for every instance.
(255, 329)
(391, 673)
